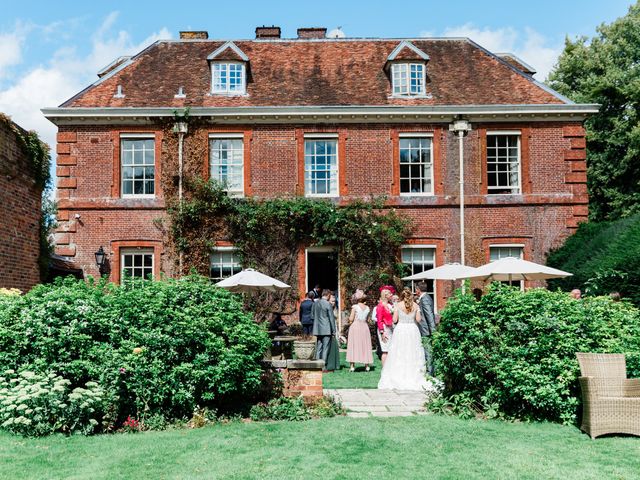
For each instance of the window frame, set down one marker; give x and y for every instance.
(326, 137)
(138, 136)
(434, 249)
(227, 90)
(124, 251)
(504, 133)
(222, 249)
(521, 246)
(416, 135)
(396, 77)
(229, 136)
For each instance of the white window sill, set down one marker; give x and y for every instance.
(316, 195)
(410, 96)
(413, 194)
(494, 194)
(228, 94)
(129, 196)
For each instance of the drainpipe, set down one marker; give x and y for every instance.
(461, 129)
(181, 129)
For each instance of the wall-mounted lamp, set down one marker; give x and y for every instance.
(101, 258)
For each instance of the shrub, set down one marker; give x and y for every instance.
(603, 257)
(163, 347)
(295, 409)
(515, 351)
(36, 405)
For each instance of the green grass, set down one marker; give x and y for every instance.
(359, 379)
(422, 447)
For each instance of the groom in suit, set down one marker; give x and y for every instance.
(324, 325)
(427, 324)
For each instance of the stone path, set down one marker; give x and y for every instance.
(361, 402)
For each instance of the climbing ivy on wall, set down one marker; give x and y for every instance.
(268, 235)
(39, 158)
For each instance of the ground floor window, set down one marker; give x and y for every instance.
(137, 263)
(497, 252)
(224, 262)
(418, 259)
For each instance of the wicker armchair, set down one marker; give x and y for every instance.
(610, 401)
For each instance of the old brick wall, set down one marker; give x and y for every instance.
(553, 201)
(20, 200)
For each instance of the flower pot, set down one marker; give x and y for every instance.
(304, 349)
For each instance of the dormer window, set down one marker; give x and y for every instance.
(408, 78)
(228, 70)
(407, 68)
(228, 77)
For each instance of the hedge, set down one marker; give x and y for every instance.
(516, 350)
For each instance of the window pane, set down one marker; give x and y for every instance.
(223, 264)
(418, 260)
(321, 167)
(503, 157)
(415, 165)
(227, 163)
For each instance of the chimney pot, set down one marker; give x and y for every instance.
(312, 32)
(268, 32)
(194, 35)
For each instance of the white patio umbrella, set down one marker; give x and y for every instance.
(510, 269)
(448, 271)
(250, 280)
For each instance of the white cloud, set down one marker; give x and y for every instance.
(66, 73)
(531, 46)
(11, 47)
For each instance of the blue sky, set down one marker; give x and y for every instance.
(50, 50)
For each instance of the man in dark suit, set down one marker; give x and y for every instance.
(317, 293)
(427, 323)
(324, 325)
(306, 319)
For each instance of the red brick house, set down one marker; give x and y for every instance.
(323, 117)
(20, 197)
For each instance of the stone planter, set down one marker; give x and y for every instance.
(304, 349)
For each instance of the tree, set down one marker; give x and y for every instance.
(606, 70)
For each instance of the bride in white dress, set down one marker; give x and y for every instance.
(405, 367)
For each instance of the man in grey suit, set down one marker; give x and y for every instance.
(427, 324)
(324, 325)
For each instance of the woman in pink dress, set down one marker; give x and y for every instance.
(359, 339)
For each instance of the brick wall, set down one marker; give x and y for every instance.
(553, 201)
(19, 221)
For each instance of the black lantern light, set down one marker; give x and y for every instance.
(100, 258)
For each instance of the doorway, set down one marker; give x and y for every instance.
(322, 268)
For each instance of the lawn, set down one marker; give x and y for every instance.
(359, 379)
(421, 447)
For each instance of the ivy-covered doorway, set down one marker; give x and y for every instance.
(322, 268)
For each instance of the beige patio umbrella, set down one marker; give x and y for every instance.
(510, 269)
(250, 280)
(448, 271)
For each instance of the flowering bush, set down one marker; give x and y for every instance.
(131, 425)
(10, 292)
(515, 352)
(160, 347)
(35, 405)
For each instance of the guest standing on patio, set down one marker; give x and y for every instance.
(384, 319)
(324, 325)
(306, 319)
(427, 323)
(359, 339)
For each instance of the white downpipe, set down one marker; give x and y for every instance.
(180, 166)
(461, 153)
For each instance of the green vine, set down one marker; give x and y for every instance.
(268, 235)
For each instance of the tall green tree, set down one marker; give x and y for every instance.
(606, 70)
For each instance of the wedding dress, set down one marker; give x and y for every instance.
(405, 366)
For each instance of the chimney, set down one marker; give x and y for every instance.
(268, 32)
(312, 32)
(200, 35)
